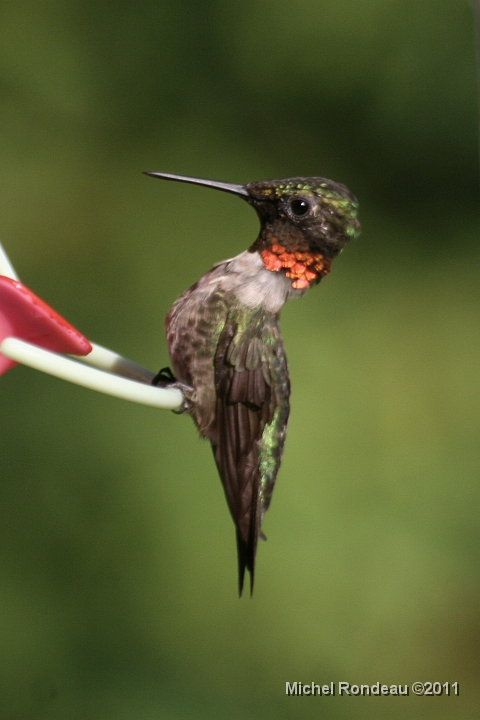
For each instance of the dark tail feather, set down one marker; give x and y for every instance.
(246, 561)
(247, 549)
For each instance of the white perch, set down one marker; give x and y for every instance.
(6, 267)
(111, 361)
(75, 372)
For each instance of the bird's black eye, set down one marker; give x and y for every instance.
(299, 207)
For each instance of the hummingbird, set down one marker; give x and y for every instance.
(224, 339)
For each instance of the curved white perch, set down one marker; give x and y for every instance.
(6, 267)
(73, 371)
(111, 361)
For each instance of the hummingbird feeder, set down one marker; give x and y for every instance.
(33, 333)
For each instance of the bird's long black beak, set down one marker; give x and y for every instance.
(227, 187)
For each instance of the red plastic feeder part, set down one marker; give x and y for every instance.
(25, 316)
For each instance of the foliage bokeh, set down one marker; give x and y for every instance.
(117, 562)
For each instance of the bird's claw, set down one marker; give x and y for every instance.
(187, 392)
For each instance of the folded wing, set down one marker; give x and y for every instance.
(251, 415)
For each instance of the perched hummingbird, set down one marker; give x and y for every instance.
(225, 344)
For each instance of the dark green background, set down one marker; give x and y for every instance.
(118, 595)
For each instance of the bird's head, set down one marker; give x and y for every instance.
(305, 222)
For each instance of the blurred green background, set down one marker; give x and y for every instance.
(118, 588)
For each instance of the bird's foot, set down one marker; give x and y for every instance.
(188, 393)
(165, 378)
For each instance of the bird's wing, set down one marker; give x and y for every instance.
(252, 408)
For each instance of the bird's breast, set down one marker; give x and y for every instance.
(255, 285)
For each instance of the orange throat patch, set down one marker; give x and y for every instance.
(302, 267)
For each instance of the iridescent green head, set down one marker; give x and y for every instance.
(312, 214)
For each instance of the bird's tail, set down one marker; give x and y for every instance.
(246, 561)
(247, 548)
